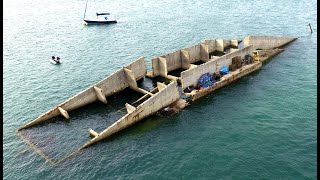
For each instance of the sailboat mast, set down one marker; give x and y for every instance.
(85, 10)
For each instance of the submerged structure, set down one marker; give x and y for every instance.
(191, 72)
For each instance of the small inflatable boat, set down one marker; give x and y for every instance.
(55, 62)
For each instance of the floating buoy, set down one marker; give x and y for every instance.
(84, 23)
(310, 29)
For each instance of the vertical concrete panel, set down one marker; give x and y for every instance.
(204, 52)
(173, 60)
(234, 43)
(219, 45)
(138, 68)
(226, 43)
(100, 95)
(163, 66)
(185, 59)
(155, 66)
(194, 52)
(113, 83)
(211, 45)
(130, 78)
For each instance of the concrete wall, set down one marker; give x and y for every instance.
(173, 60)
(138, 68)
(194, 53)
(109, 86)
(182, 58)
(191, 76)
(160, 100)
(266, 42)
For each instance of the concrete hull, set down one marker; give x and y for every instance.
(170, 95)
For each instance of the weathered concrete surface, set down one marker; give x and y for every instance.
(93, 133)
(163, 67)
(173, 60)
(100, 94)
(138, 68)
(166, 96)
(204, 52)
(211, 45)
(109, 86)
(219, 45)
(226, 79)
(179, 105)
(265, 55)
(194, 53)
(234, 43)
(130, 79)
(267, 42)
(185, 59)
(129, 108)
(191, 76)
(155, 68)
(64, 113)
(192, 66)
(226, 43)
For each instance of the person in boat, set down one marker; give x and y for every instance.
(58, 60)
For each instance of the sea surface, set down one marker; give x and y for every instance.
(261, 127)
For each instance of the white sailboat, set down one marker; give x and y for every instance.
(101, 18)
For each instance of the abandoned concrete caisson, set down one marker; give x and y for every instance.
(183, 69)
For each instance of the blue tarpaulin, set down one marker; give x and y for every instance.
(224, 70)
(206, 80)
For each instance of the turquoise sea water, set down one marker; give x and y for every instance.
(260, 127)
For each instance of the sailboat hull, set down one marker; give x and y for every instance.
(99, 21)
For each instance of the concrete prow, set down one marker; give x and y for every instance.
(267, 42)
